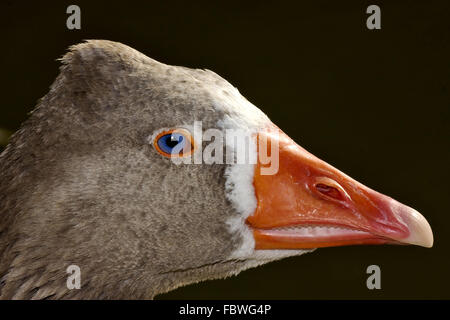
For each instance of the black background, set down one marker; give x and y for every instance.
(373, 103)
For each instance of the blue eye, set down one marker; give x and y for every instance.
(174, 143)
(168, 142)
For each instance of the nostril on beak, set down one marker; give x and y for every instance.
(330, 189)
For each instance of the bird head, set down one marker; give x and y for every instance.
(133, 170)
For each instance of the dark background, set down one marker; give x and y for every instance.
(375, 104)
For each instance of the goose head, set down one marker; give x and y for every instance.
(92, 179)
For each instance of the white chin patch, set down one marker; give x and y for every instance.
(241, 193)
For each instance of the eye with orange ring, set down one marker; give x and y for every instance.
(174, 143)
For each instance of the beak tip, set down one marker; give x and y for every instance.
(425, 239)
(420, 230)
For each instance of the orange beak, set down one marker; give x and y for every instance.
(309, 204)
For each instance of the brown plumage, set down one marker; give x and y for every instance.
(80, 183)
